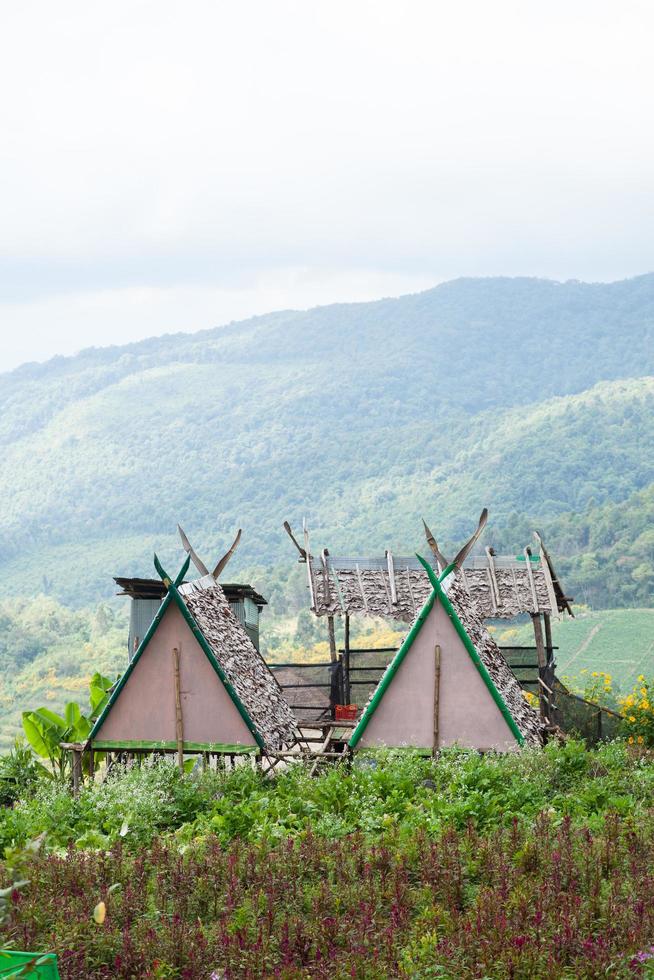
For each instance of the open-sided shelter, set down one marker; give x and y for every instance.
(448, 683)
(196, 683)
(495, 587)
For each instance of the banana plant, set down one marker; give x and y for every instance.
(45, 730)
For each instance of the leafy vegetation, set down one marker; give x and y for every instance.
(136, 804)
(45, 730)
(527, 865)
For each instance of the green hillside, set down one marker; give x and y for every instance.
(532, 397)
(48, 654)
(618, 641)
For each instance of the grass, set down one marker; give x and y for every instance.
(618, 641)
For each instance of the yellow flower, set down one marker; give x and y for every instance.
(595, 674)
(631, 719)
(640, 739)
(641, 678)
(644, 705)
(643, 691)
(631, 740)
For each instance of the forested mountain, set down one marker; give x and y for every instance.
(532, 397)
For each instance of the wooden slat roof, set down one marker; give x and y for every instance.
(394, 586)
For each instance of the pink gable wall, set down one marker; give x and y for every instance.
(145, 708)
(468, 716)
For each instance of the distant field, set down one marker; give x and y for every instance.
(619, 641)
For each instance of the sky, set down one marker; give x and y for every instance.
(169, 166)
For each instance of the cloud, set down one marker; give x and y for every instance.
(153, 151)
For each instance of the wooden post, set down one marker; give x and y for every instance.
(542, 664)
(91, 763)
(77, 770)
(549, 679)
(437, 691)
(549, 646)
(179, 721)
(332, 639)
(323, 749)
(346, 662)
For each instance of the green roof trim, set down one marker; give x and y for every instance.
(173, 595)
(393, 667)
(134, 745)
(199, 636)
(152, 629)
(472, 650)
(391, 671)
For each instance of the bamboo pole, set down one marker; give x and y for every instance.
(437, 690)
(179, 721)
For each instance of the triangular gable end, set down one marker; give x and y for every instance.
(471, 711)
(141, 711)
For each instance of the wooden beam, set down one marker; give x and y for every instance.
(530, 576)
(332, 639)
(303, 554)
(389, 604)
(391, 577)
(77, 770)
(179, 721)
(550, 676)
(339, 593)
(312, 588)
(549, 646)
(188, 548)
(346, 661)
(325, 577)
(361, 590)
(542, 662)
(441, 560)
(228, 554)
(468, 546)
(538, 636)
(437, 690)
(323, 749)
(495, 589)
(413, 598)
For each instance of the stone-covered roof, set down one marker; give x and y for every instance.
(396, 587)
(242, 664)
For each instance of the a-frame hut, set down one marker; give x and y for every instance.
(448, 683)
(196, 683)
